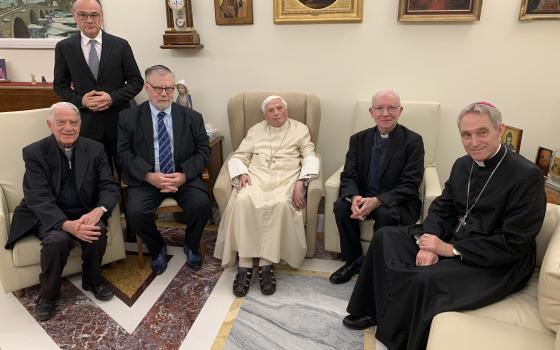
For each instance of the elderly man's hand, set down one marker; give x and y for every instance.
(100, 101)
(92, 217)
(84, 232)
(298, 196)
(363, 206)
(155, 179)
(172, 182)
(244, 180)
(426, 258)
(434, 244)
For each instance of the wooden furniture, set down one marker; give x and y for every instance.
(552, 195)
(24, 96)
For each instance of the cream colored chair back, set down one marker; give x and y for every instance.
(17, 130)
(244, 111)
(421, 117)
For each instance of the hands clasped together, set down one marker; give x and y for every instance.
(298, 196)
(431, 248)
(167, 183)
(363, 206)
(85, 227)
(97, 101)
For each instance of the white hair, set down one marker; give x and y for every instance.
(62, 105)
(385, 92)
(270, 99)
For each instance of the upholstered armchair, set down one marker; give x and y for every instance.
(19, 267)
(244, 111)
(419, 116)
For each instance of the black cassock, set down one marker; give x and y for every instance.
(497, 244)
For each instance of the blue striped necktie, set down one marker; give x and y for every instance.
(165, 154)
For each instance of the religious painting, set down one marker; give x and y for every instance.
(554, 170)
(3, 70)
(317, 11)
(439, 10)
(544, 155)
(539, 9)
(35, 23)
(233, 12)
(512, 138)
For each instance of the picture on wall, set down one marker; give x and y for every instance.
(512, 138)
(539, 9)
(233, 12)
(554, 171)
(3, 70)
(544, 155)
(439, 10)
(317, 11)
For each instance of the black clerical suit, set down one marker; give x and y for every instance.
(497, 247)
(190, 156)
(55, 190)
(118, 76)
(399, 177)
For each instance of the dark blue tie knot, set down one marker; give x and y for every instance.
(161, 115)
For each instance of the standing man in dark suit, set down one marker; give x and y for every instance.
(97, 72)
(382, 174)
(163, 150)
(69, 194)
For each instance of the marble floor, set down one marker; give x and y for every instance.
(183, 309)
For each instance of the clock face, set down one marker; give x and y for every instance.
(176, 4)
(180, 22)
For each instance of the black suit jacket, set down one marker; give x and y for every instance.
(41, 185)
(401, 174)
(118, 76)
(135, 145)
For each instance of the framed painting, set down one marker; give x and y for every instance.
(3, 70)
(439, 10)
(233, 12)
(512, 138)
(539, 9)
(37, 24)
(317, 11)
(544, 156)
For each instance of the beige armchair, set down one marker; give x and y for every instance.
(421, 117)
(244, 111)
(19, 267)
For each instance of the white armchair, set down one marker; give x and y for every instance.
(20, 266)
(419, 116)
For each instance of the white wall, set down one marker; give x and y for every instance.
(499, 59)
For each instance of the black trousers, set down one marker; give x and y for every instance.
(56, 247)
(142, 202)
(349, 229)
(111, 151)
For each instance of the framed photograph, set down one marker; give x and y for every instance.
(554, 170)
(512, 138)
(3, 70)
(233, 12)
(544, 155)
(439, 10)
(317, 11)
(35, 24)
(539, 9)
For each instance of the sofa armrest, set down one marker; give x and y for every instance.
(222, 187)
(314, 194)
(332, 186)
(7, 273)
(432, 189)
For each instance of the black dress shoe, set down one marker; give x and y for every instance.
(267, 280)
(345, 273)
(358, 322)
(45, 309)
(101, 292)
(194, 260)
(159, 263)
(242, 281)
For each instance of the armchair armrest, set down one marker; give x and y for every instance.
(222, 188)
(332, 186)
(8, 274)
(432, 189)
(314, 194)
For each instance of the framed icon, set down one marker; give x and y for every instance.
(439, 10)
(512, 138)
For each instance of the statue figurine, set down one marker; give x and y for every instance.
(184, 98)
(33, 80)
(43, 80)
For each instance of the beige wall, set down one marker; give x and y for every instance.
(499, 59)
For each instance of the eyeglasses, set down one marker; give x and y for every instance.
(83, 16)
(159, 89)
(390, 109)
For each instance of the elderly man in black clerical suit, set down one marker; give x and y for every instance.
(163, 150)
(69, 194)
(475, 247)
(97, 72)
(381, 179)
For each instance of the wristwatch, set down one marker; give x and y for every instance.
(102, 207)
(305, 182)
(456, 253)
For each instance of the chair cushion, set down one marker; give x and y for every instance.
(549, 283)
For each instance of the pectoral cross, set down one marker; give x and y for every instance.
(462, 222)
(269, 161)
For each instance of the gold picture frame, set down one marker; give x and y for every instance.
(511, 138)
(439, 10)
(317, 11)
(539, 9)
(231, 12)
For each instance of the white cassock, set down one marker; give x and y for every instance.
(260, 220)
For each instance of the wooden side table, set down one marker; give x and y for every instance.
(552, 195)
(23, 96)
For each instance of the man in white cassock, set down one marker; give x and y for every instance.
(264, 216)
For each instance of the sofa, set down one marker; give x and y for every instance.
(19, 267)
(526, 320)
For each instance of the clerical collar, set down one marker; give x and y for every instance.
(490, 161)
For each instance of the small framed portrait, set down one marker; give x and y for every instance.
(554, 170)
(228, 12)
(512, 138)
(439, 10)
(544, 156)
(539, 9)
(3, 70)
(317, 11)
